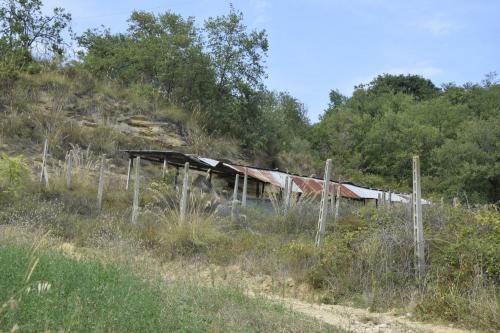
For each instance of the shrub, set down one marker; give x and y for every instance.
(14, 175)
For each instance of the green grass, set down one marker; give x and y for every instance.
(88, 295)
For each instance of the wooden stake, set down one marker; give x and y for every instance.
(184, 194)
(417, 221)
(100, 187)
(135, 203)
(323, 210)
(245, 186)
(235, 198)
(44, 176)
(164, 171)
(130, 163)
(69, 163)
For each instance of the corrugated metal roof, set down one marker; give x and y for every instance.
(300, 184)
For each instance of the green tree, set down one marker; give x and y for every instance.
(237, 55)
(415, 85)
(24, 29)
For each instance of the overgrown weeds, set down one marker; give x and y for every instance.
(366, 259)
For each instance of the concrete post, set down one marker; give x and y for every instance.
(135, 203)
(69, 170)
(417, 220)
(100, 186)
(245, 186)
(44, 175)
(234, 206)
(323, 210)
(130, 163)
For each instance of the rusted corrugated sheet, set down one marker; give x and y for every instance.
(301, 184)
(312, 185)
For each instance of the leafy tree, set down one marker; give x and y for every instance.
(25, 29)
(414, 85)
(373, 134)
(164, 51)
(237, 55)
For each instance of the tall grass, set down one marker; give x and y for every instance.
(47, 291)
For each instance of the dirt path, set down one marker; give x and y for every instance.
(360, 320)
(344, 317)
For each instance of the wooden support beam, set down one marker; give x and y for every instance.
(176, 177)
(184, 194)
(234, 206)
(164, 170)
(135, 202)
(323, 210)
(337, 206)
(245, 186)
(417, 221)
(130, 164)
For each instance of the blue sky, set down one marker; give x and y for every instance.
(319, 45)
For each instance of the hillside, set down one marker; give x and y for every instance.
(89, 242)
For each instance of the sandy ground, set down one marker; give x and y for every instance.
(341, 316)
(360, 320)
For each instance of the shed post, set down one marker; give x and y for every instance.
(235, 198)
(288, 194)
(332, 200)
(323, 210)
(135, 202)
(164, 170)
(100, 186)
(337, 205)
(69, 162)
(417, 220)
(130, 163)
(176, 176)
(44, 176)
(245, 186)
(284, 197)
(389, 203)
(184, 194)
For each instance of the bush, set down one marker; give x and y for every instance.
(14, 175)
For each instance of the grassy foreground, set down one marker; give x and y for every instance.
(45, 290)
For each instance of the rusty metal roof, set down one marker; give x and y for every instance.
(300, 184)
